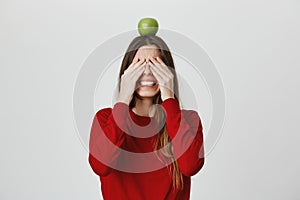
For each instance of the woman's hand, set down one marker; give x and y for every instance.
(128, 80)
(164, 76)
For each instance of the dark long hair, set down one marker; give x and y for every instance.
(163, 138)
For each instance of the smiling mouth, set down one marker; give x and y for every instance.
(146, 83)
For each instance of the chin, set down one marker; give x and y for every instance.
(147, 93)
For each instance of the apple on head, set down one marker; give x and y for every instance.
(148, 26)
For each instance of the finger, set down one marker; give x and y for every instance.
(138, 71)
(160, 61)
(154, 61)
(134, 66)
(135, 60)
(139, 63)
(134, 63)
(160, 70)
(161, 79)
(136, 76)
(157, 74)
(139, 68)
(162, 65)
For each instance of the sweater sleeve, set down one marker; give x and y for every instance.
(106, 137)
(185, 130)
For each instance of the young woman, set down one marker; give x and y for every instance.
(148, 97)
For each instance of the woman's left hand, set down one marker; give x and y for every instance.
(164, 76)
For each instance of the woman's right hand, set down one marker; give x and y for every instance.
(129, 78)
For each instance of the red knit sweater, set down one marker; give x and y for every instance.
(124, 177)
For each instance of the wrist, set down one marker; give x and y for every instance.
(167, 98)
(124, 100)
(163, 98)
(166, 93)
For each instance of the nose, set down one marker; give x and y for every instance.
(147, 70)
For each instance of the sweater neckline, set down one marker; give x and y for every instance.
(139, 116)
(139, 119)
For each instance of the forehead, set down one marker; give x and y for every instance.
(147, 51)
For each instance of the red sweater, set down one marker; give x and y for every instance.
(124, 178)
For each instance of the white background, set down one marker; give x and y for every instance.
(254, 44)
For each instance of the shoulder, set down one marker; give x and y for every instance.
(103, 113)
(190, 113)
(191, 116)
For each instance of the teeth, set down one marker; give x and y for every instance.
(147, 83)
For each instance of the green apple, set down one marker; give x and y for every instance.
(148, 26)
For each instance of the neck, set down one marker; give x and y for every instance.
(142, 106)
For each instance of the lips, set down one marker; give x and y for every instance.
(149, 82)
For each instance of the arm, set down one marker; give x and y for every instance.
(188, 146)
(106, 137)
